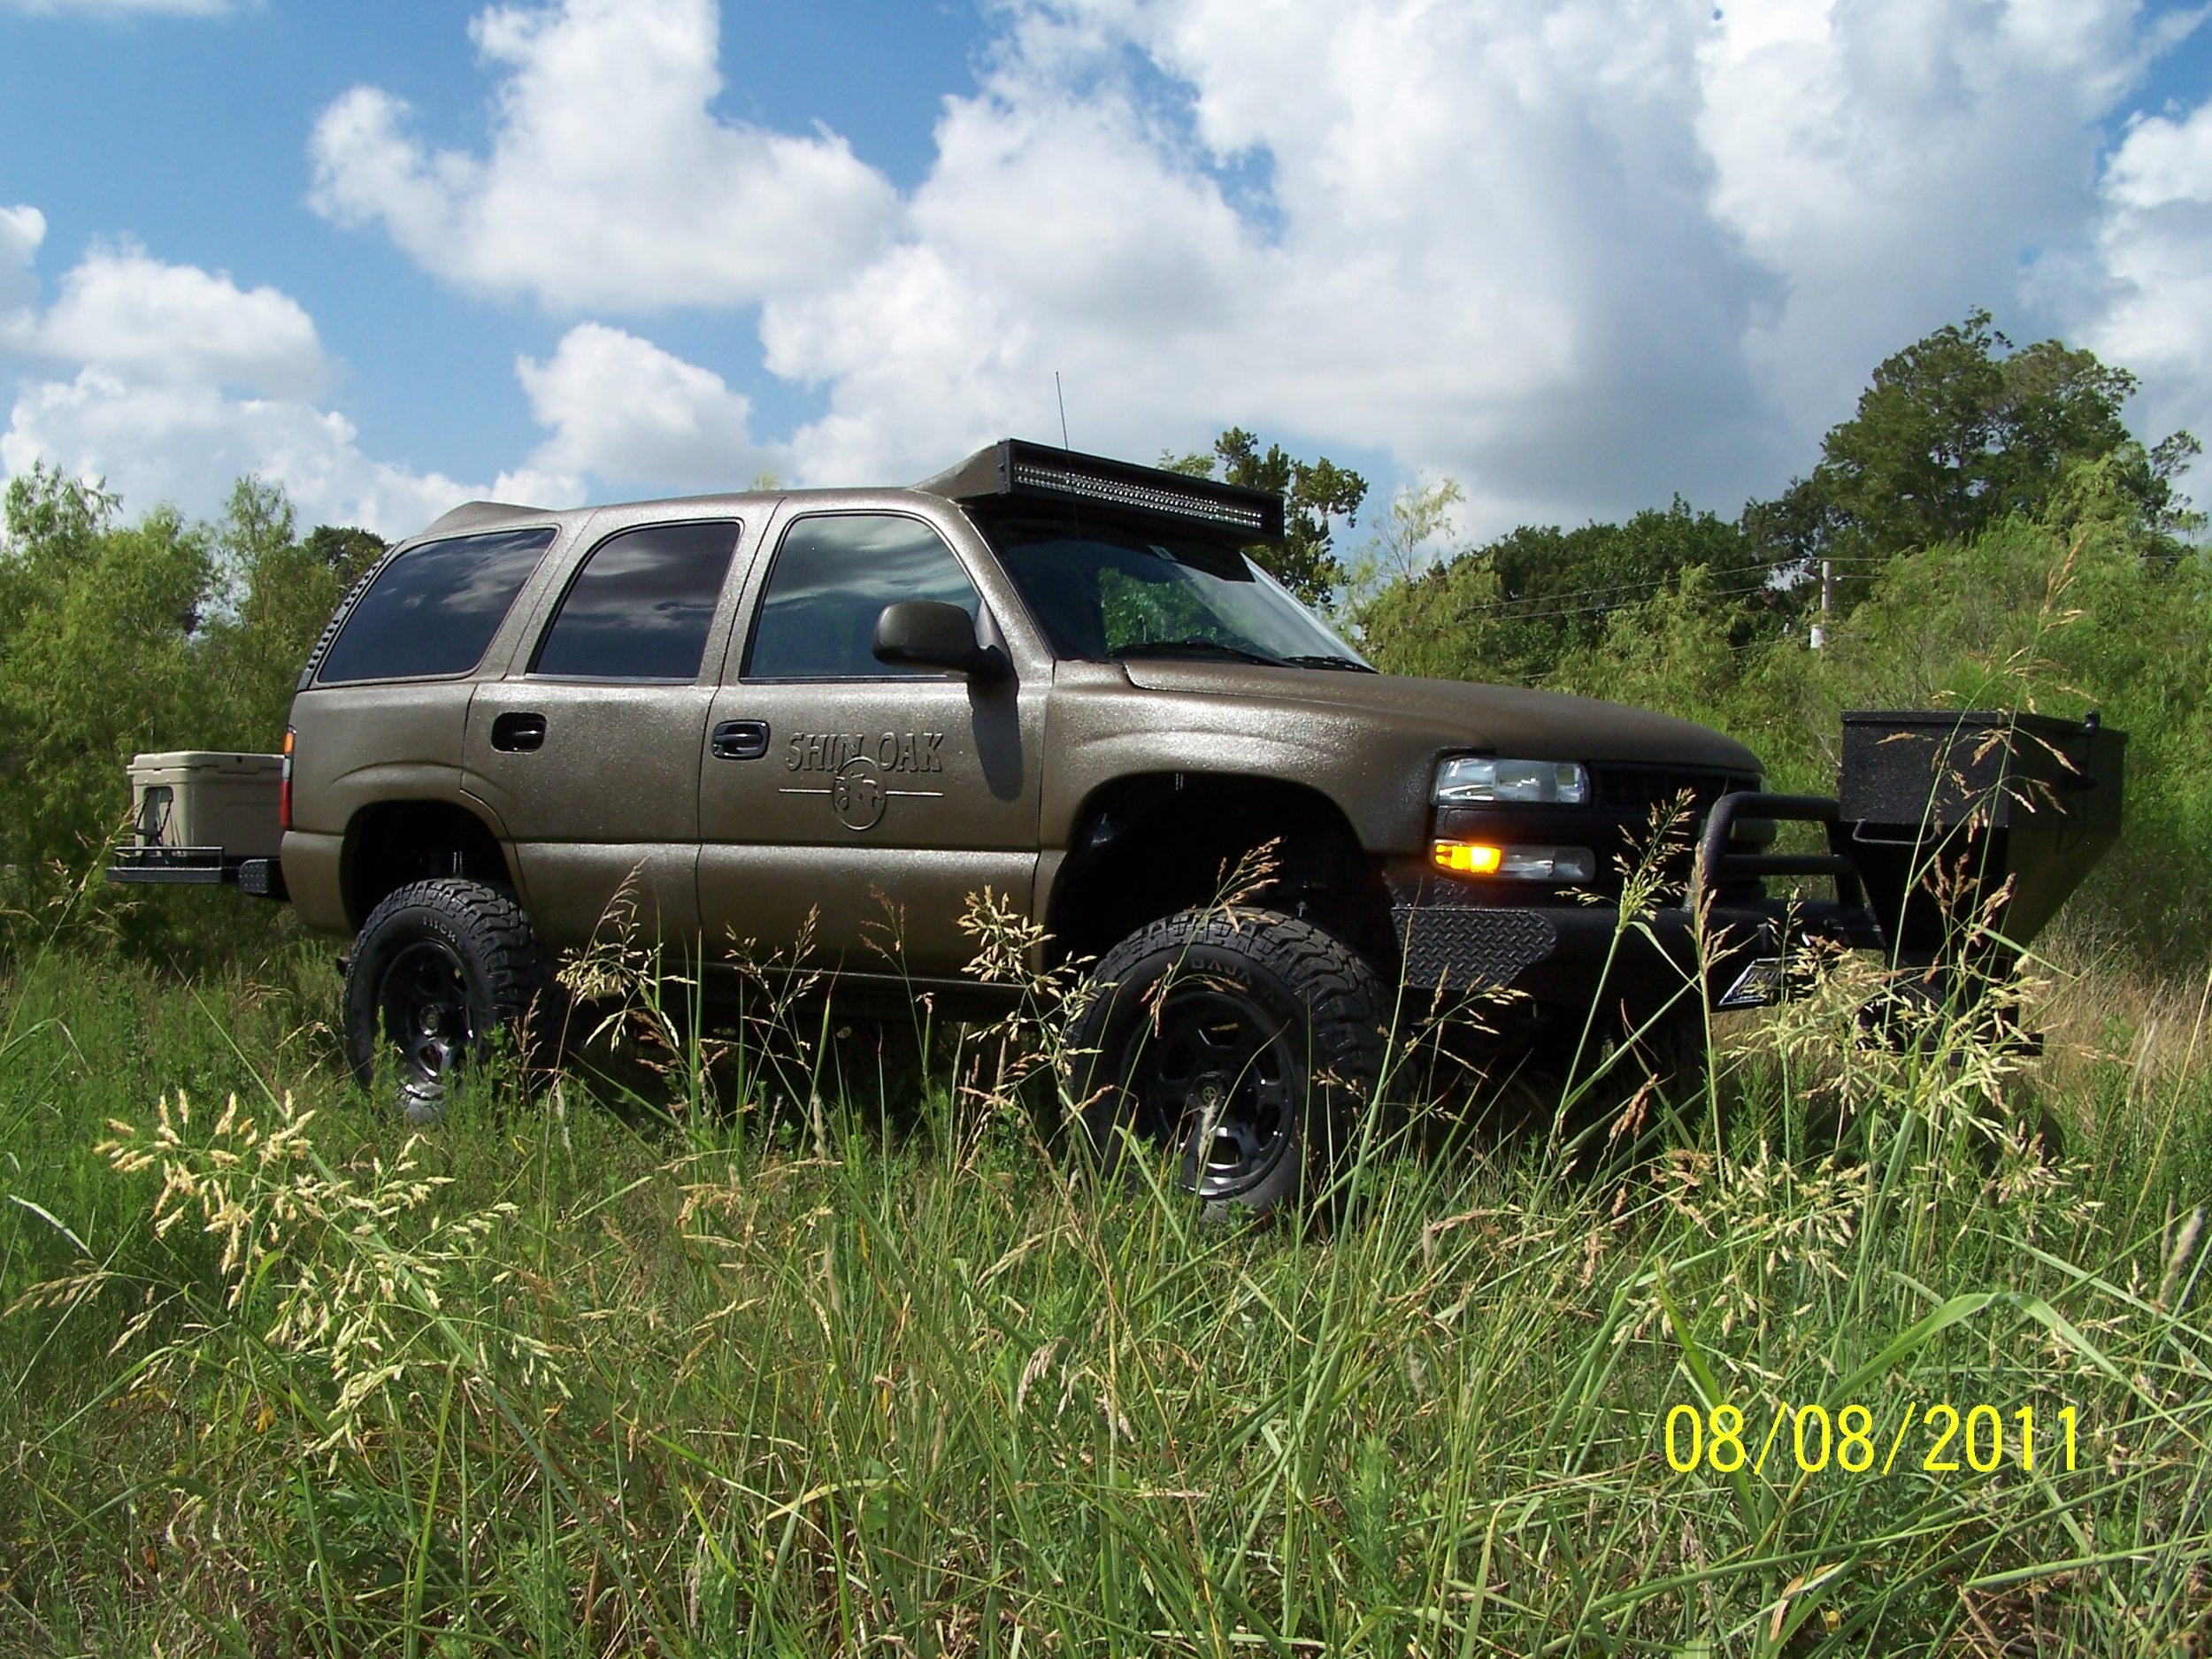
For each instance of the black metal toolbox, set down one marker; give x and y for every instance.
(1983, 819)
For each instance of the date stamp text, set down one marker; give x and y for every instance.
(1936, 1438)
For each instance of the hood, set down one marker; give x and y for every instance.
(1502, 719)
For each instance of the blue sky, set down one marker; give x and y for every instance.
(1577, 255)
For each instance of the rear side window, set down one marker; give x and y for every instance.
(834, 575)
(641, 607)
(433, 610)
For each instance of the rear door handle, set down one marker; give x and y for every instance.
(740, 740)
(519, 733)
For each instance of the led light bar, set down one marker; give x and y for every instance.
(1015, 471)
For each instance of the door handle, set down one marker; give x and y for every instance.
(740, 740)
(519, 733)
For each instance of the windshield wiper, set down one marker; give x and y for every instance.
(1208, 648)
(1345, 664)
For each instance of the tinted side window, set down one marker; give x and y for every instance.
(834, 575)
(433, 608)
(641, 607)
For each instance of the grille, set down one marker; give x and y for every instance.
(1638, 789)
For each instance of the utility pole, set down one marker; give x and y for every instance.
(1827, 593)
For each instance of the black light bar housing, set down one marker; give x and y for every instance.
(1014, 472)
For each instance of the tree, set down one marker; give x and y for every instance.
(1409, 539)
(347, 550)
(282, 590)
(1517, 607)
(1315, 494)
(1958, 431)
(97, 631)
(49, 512)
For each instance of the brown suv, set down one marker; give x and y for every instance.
(1048, 674)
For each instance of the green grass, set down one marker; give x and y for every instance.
(739, 1375)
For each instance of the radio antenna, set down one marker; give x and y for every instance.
(1063, 399)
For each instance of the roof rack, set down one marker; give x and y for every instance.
(1014, 471)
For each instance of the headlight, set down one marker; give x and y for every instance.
(1472, 780)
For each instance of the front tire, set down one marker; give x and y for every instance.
(1242, 1043)
(439, 966)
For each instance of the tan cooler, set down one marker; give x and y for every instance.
(210, 798)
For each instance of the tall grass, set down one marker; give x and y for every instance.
(829, 1352)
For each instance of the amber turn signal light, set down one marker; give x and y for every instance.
(284, 784)
(1468, 858)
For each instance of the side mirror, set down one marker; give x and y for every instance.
(930, 633)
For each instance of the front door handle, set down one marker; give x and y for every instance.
(740, 740)
(519, 733)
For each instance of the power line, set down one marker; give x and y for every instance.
(1766, 567)
(1507, 613)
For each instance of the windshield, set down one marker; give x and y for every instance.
(1102, 593)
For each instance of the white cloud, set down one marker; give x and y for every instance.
(625, 412)
(1479, 242)
(185, 443)
(121, 310)
(2154, 249)
(609, 180)
(171, 382)
(1579, 255)
(1894, 162)
(154, 358)
(21, 230)
(1047, 239)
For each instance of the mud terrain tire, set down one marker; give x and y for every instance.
(1241, 1041)
(439, 966)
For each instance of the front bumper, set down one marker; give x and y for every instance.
(1459, 938)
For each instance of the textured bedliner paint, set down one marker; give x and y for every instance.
(876, 805)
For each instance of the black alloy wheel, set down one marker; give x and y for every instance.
(1240, 1044)
(423, 1003)
(439, 967)
(1216, 1073)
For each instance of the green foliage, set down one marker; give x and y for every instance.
(786, 1378)
(1520, 607)
(96, 659)
(1957, 433)
(119, 638)
(284, 590)
(1316, 495)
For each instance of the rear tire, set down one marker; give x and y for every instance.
(439, 966)
(1241, 1042)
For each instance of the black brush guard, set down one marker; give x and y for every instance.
(1952, 840)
